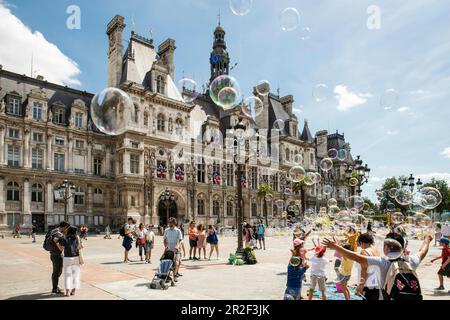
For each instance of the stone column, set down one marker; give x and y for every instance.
(2, 144)
(141, 165)
(26, 149)
(108, 162)
(49, 200)
(89, 158)
(26, 207)
(89, 200)
(126, 162)
(2, 202)
(70, 155)
(49, 158)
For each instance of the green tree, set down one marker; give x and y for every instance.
(389, 183)
(443, 188)
(263, 190)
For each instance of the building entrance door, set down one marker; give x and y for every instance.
(38, 220)
(166, 212)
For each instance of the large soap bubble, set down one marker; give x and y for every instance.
(112, 111)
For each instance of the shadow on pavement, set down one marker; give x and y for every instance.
(441, 293)
(36, 296)
(118, 262)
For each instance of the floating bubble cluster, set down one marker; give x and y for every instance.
(278, 125)
(342, 154)
(326, 164)
(332, 153)
(263, 87)
(321, 92)
(252, 107)
(112, 111)
(297, 173)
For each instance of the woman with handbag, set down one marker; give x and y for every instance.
(141, 240)
(73, 258)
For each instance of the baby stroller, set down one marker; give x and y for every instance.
(165, 272)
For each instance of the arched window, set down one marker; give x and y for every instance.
(161, 122)
(37, 192)
(179, 127)
(288, 154)
(160, 85)
(13, 191)
(311, 156)
(201, 207)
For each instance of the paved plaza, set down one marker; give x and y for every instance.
(25, 271)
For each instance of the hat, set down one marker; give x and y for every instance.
(297, 242)
(320, 250)
(444, 240)
(296, 261)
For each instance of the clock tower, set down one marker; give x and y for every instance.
(219, 60)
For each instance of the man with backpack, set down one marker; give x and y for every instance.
(261, 230)
(55, 254)
(397, 274)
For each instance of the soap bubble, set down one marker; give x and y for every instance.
(404, 197)
(309, 179)
(422, 220)
(397, 218)
(326, 164)
(289, 19)
(342, 154)
(317, 177)
(306, 33)
(297, 173)
(327, 189)
(332, 153)
(188, 89)
(390, 206)
(430, 198)
(389, 99)
(354, 202)
(253, 106)
(240, 7)
(279, 203)
(230, 97)
(298, 159)
(393, 192)
(263, 87)
(111, 111)
(393, 249)
(268, 197)
(278, 125)
(332, 202)
(321, 92)
(353, 182)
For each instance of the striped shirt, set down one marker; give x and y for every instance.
(173, 237)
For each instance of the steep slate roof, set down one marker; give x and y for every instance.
(306, 134)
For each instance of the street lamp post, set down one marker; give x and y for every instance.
(411, 183)
(167, 198)
(239, 130)
(67, 188)
(360, 172)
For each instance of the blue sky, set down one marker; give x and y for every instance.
(409, 53)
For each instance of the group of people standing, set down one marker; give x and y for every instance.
(65, 247)
(143, 236)
(199, 237)
(254, 234)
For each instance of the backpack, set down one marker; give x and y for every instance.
(48, 244)
(122, 231)
(402, 282)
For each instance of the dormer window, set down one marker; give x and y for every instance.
(160, 85)
(58, 117)
(79, 120)
(37, 111)
(14, 103)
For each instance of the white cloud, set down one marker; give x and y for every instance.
(437, 175)
(419, 91)
(392, 132)
(446, 152)
(298, 110)
(19, 44)
(402, 109)
(348, 99)
(377, 179)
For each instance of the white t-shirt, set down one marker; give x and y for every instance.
(141, 233)
(150, 235)
(129, 227)
(381, 266)
(318, 266)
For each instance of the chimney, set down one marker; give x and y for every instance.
(114, 31)
(287, 102)
(166, 51)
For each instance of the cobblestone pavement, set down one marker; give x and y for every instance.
(25, 270)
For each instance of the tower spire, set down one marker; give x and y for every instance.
(218, 18)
